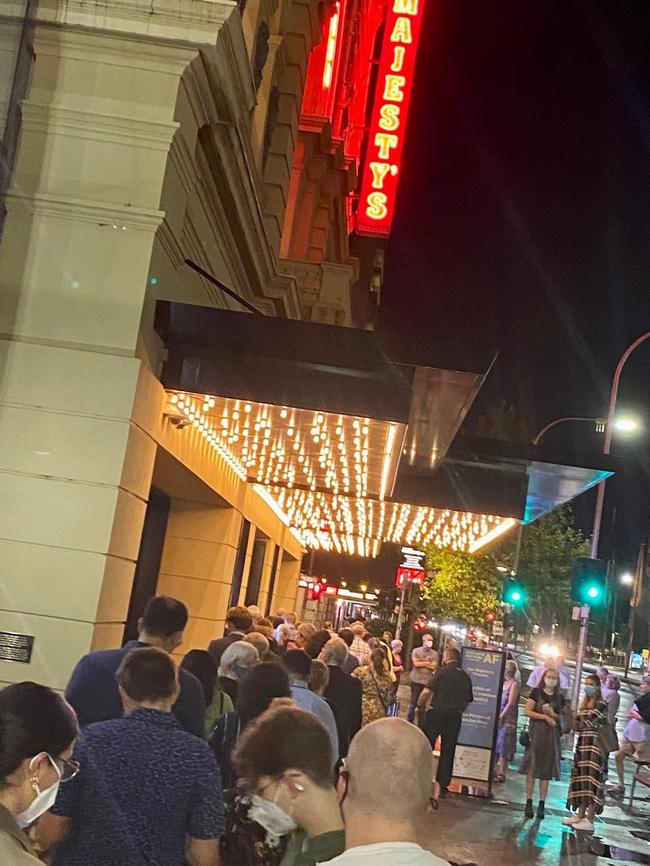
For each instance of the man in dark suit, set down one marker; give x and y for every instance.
(451, 691)
(238, 623)
(343, 692)
(92, 690)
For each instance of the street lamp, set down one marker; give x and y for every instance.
(600, 500)
(613, 396)
(622, 425)
(626, 579)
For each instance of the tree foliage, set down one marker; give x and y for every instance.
(504, 423)
(548, 549)
(464, 586)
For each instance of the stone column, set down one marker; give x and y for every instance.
(82, 213)
(197, 566)
(286, 586)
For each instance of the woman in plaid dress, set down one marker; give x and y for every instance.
(586, 790)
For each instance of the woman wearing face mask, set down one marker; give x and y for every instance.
(288, 811)
(542, 757)
(586, 790)
(37, 733)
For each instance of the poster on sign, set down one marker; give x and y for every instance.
(478, 732)
(406, 575)
(411, 570)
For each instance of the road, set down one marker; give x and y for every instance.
(629, 691)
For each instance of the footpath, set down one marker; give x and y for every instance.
(494, 832)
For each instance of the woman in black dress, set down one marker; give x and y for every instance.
(542, 757)
(586, 790)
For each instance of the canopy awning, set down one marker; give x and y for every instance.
(347, 444)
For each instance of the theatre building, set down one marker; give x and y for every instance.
(193, 196)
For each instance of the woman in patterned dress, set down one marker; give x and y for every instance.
(586, 790)
(378, 688)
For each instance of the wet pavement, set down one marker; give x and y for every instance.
(495, 832)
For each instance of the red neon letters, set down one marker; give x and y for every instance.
(388, 124)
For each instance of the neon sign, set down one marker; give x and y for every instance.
(330, 52)
(389, 115)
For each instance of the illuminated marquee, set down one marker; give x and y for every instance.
(389, 115)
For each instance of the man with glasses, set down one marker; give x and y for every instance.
(147, 792)
(381, 830)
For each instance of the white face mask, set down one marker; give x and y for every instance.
(43, 801)
(274, 819)
(550, 684)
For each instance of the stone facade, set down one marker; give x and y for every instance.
(152, 133)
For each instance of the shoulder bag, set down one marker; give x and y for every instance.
(607, 738)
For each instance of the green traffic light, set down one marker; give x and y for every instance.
(514, 593)
(589, 581)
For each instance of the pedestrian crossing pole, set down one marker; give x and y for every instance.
(580, 655)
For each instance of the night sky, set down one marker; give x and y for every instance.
(523, 216)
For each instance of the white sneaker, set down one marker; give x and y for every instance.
(585, 825)
(571, 820)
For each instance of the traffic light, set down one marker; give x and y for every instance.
(589, 581)
(490, 616)
(315, 591)
(514, 593)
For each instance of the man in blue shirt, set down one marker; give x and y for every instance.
(298, 665)
(147, 792)
(92, 689)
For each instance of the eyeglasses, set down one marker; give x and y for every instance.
(69, 769)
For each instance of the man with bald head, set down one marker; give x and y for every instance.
(387, 755)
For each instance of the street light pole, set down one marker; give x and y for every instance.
(552, 424)
(598, 513)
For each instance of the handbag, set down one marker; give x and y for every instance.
(524, 738)
(387, 706)
(566, 719)
(607, 738)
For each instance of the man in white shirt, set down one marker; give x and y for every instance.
(387, 755)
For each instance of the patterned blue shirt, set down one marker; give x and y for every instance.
(144, 786)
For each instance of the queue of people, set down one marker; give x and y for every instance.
(242, 745)
(236, 748)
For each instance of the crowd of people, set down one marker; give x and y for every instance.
(271, 747)
(275, 747)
